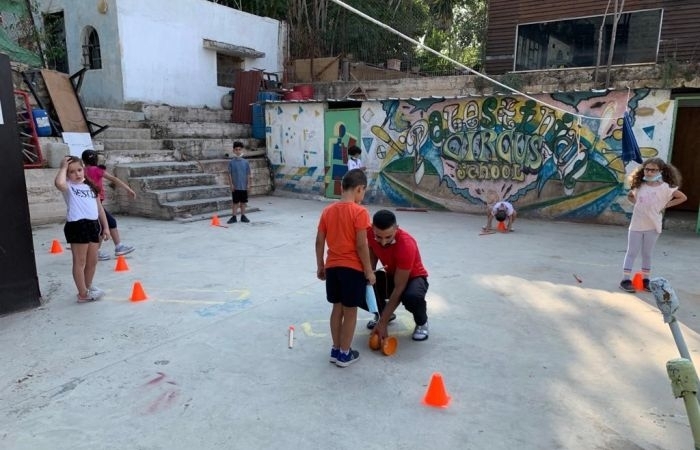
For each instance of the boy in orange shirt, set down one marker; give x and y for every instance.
(347, 270)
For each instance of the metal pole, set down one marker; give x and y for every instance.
(684, 384)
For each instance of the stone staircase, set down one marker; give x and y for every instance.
(175, 159)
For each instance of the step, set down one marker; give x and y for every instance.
(116, 157)
(171, 130)
(134, 144)
(124, 133)
(171, 181)
(186, 208)
(167, 196)
(107, 115)
(198, 148)
(163, 113)
(143, 169)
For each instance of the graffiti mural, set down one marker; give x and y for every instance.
(556, 156)
(559, 157)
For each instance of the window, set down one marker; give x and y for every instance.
(92, 58)
(575, 42)
(226, 68)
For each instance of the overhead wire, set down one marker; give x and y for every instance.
(457, 63)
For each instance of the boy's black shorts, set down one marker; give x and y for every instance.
(239, 196)
(346, 286)
(82, 231)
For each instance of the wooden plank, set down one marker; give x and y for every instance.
(65, 101)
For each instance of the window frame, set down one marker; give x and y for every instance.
(606, 38)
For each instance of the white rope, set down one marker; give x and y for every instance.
(435, 52)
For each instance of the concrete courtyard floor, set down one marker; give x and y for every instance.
(531, 358)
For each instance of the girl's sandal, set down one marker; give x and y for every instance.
(89, 298)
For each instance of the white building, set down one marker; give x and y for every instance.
(177, 52)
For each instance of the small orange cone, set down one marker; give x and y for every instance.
(121, 264)
(502, 227)
(56, 247)
(215, 221)
(137, 293)
(637, 282)
(436, 395)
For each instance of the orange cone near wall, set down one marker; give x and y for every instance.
(121, 264)
(215, 221)
(637, 282)
(436, 395)
(137, 293)
(56, 247)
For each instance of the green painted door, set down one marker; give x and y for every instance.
(341, 131)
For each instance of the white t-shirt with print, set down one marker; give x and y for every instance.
(81, 202)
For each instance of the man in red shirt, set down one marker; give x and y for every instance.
(403, 280)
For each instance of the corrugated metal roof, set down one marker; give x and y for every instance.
(247, 86)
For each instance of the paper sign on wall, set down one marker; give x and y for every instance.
(77, 143)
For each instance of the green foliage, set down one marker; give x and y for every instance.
(318, 28)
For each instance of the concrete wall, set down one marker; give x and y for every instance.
(152, 51)
(462, 153)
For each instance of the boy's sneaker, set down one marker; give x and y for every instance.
(626, 285)
(420, 333)
(373, 322)
(102, 256)
(97, 293)
(244, 219)
(646, 284)
(123, 249)
(334, 355)
(231, 220)
(345, 359)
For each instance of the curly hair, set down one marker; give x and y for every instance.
(669, 173)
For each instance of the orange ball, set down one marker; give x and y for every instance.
(374, 342)
(389, 345)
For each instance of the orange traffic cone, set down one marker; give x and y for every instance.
(56, 247)
(215, 221)
(137, 293)
(121, 264)
(502, 227)
(637, 282)
(436, 395)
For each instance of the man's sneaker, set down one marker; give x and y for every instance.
(626, 285)
(97, 293)
(646, 284)
(244, 219)
(102, 256)
(123, 249)
(345, 359)
(373, 322)
(232, 220)
(420, 333)
(334, 355)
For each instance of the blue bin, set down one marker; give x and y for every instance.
(258, 121)
(41, 122)
(268, 96)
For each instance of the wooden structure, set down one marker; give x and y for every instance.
(678, 26)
